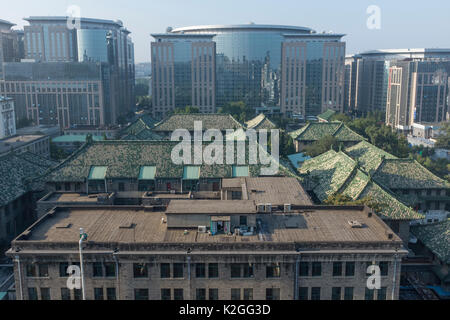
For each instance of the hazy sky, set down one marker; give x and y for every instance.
(404, 24)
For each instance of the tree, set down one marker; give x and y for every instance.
(56, 153)
(141, 89)
(344, 200)
(322, 146)
(239, 110)
(443, 141)
(186, 110)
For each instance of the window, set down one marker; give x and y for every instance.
(382, 293)
(213, 270)
(243, 220)
(140, 294)
(213, 294)
(111, 293)
(201, 294)
(31, 270)
(350, 269)
(384, 268)
(200, 270)
(304, 269)
(348, 293)
(121, 186)
(235, 270)
(336, 293)
(273, 270)
(165, 294)
(98, 293)
(303, 293)
(315, 293)
(272, 294)
(45, 294)
(178, 270)
(165, 270)
(67, 186)
(316, 269)
(140, 270)
(337, 269)
(369, 294)
(77, 294)
(65, 294)
(235, 294)
(248, 294)
(247, 270)
(98, 269)
(178, 294)
(63, 266)
(110, 270)
(32, 294)
(43, 270)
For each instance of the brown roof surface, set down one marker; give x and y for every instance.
(211, 206)
(104, 225)
(276, 190)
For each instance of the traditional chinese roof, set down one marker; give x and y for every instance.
(327, 115)
(435, 237)
(336, 173)
(220, 122)
(317, 131)
(261, 122)
(368, 156)
(17, 172)
(407, 174)
(146, 122)
(145, 134)
(124, 160)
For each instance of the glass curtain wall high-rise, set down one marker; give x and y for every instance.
(272, 68)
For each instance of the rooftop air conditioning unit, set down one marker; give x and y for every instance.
(355, 224)
(202, 229)
(261, 208)
(173, 191)
(287, 208)
(268, 208)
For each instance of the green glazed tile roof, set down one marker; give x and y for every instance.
(97, 173)
(124, 159)
(368, 156)
(436, 237)
(75, 138)
(191, 173)
(261, 122)
(209, 121)
(144, 123)
(335, 172)
(145, 134)
(318, 131)
(17, 173)
(327, 115)
(407, 174)
(147, 173)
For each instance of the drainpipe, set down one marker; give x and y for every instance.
(20, 277)
(117, 275)
(189, 274)
(297, 267)
(80, 245)
(394, 280)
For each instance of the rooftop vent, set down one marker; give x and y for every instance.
(64, 226)
(355, 224)
(128, 226)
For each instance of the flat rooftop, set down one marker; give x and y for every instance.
(211, 207)
(17, 141)
(121, 225)
(273, 190)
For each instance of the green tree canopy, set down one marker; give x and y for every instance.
(322, 146)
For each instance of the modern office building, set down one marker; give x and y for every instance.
(11, 44)
(418, 92)
(61, 93)
(367, 75)
(48, 40)
(7, 117)
(292, 70)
